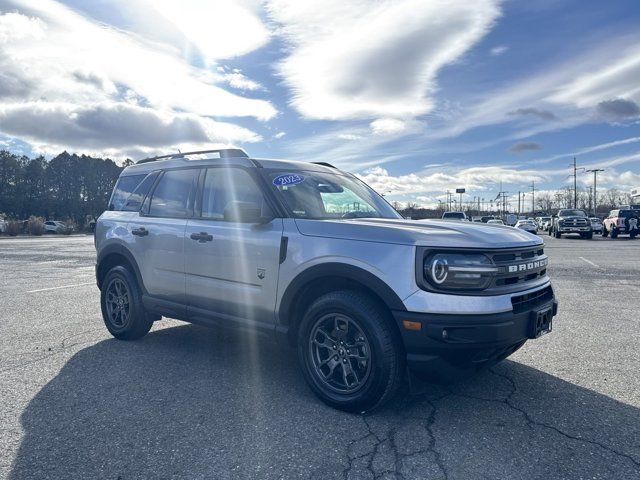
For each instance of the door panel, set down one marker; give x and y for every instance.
(231, 267)
(160, 255)
(158, 234)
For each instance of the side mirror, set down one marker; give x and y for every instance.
(245, 212)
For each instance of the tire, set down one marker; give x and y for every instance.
(356, 319)
(121, 304)
(588, 236)
(614, 232)
(633, 234)
(557, 234)
(605, 232)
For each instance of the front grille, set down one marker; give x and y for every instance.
(574, 222)
(522, 303)
(519, 266)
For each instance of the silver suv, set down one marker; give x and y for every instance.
(311, 255)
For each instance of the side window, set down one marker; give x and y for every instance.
(134, 202)
(123, 189)
(222, 186)
(174, 194)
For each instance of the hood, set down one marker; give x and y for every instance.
(428, 233)
(573, 217)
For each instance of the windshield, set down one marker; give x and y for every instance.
(571, 213)
(322, 195)
(456, 215)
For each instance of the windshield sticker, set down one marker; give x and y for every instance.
(287, 179)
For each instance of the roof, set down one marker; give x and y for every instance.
(229, 157)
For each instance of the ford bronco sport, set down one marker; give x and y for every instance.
(311, 255)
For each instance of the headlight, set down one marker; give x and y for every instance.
(458, 271)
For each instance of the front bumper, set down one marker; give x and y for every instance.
(574, 229)
(447, 344)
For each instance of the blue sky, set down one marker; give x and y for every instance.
(415, 96)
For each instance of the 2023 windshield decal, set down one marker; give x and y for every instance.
(287, 179)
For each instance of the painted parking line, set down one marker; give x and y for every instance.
(589, 262)
(61, 286)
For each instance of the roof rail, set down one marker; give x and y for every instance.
(324, 164)
(223, 152)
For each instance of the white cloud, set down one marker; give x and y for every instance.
(570, 90)
(51, 126)
(473, 179)
(385, 126)
(365, 59)
(498, 50)
(279, 135)
(220, 29)
(241, 82)
(55, 60)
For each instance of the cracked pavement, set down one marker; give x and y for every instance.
(191, 402)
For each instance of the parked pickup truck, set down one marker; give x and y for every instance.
(621, 221)
(310, 255)
(571, 221)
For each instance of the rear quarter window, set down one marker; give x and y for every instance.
(124, 187)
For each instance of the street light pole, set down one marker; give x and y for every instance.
(595, 192)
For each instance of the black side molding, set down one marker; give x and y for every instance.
(284, 243)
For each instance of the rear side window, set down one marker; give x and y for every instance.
(174, 195)
(134, 202)
(122, 190)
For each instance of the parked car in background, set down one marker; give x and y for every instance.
(527, 226)
(596, 224)
(621, 221)
(495, 221)
(54, 226)
(454, 216)
(571, 221)
(486, 218)
(543, 223)
(510, 219)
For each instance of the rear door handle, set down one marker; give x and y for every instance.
(140, 232)
(202, 237)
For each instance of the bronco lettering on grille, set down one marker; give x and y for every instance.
(523, 267)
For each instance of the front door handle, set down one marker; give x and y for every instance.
(201, 237)
(140, 232)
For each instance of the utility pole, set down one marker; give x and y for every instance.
(519, 203)
(533, 198)
(595, 192)
(575, 184)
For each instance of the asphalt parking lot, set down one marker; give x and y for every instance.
(190, 402)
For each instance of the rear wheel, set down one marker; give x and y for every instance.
(349, 351)
(633, 234)
(557, 234)
(614, 232)
(121, 303)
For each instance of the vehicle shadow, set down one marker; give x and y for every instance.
(190, 402)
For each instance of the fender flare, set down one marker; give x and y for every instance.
(336, 269)
(119, 249)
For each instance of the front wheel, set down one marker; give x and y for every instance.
(349, 351)
(605, 232)
(121, 303)
(614, 232)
